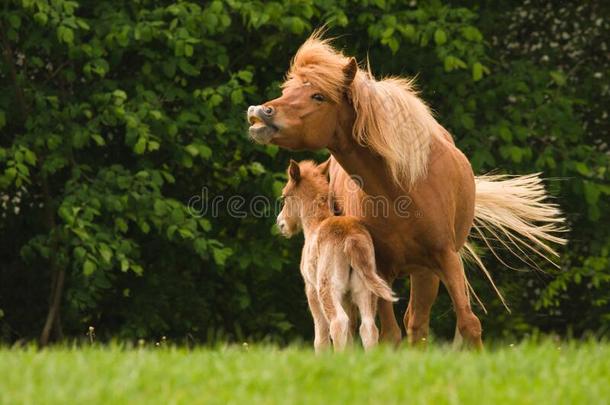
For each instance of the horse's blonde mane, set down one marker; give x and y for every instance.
(391, 119)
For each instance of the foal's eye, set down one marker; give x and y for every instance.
(318, 97)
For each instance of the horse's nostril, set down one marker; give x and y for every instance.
(268, 110)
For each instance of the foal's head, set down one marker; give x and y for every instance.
(305, 196)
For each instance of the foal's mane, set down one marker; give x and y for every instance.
(391, 119)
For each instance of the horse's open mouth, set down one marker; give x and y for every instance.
(260, 130)
(256, 122)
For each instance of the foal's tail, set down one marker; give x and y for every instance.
(360, 251)
(513, 210)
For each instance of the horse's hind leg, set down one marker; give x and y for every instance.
(424, 289)
(452, 275)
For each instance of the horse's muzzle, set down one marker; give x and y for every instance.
(261, 129)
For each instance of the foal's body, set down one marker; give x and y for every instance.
(334, 246)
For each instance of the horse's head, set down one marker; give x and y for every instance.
(314, 104)
(305, 196)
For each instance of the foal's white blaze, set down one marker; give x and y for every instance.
(281, 224)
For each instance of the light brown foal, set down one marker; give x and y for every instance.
(334, 246)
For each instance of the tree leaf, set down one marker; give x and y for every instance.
(558, 77)
(477, 71)
(440, 37)
(89, 267)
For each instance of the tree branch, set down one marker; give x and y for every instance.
(52, 322)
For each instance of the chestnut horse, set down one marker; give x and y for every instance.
(387, 146)
(333, 245)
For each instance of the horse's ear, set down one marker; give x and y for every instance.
(294, 171)
(323, 167)
(349, 71)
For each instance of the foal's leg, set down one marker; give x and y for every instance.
(330, 292)
(424, 289)
(352, 313)
(452, 275)
(339, 321)
(321, 330)
(367, 305)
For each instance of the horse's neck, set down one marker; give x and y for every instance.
(370, 169)
(366, 168)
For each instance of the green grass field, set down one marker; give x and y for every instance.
(524, 374)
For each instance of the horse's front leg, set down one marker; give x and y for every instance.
(424, 289)
(390, 331)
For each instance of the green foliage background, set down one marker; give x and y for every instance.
(114, 114)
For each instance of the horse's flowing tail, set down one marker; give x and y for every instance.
(360, 251)
(513, 211)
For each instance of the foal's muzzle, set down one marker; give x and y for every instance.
(283, 227)
(260, 118)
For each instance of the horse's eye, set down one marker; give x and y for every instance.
(318, 97)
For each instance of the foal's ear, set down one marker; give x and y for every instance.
(323, 167)
(349, 71)
(294, 171)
